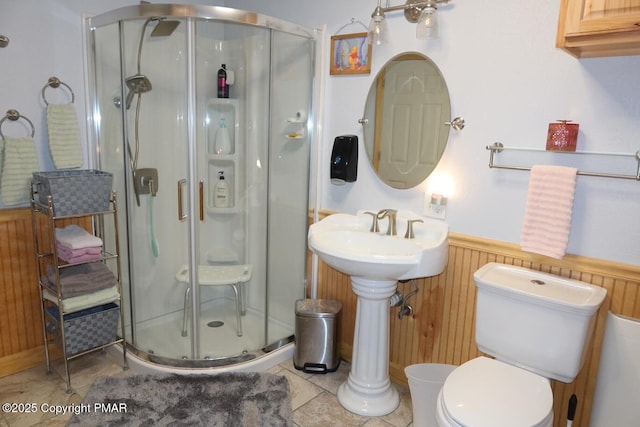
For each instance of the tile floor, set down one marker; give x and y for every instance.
(313, 396)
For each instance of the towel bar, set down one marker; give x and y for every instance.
(498, 147)
(14, 115)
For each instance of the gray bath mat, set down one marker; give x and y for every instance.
(226, 399)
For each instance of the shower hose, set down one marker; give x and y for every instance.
(152, 228)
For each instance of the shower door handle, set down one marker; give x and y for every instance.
(201, 191)
(181, 215)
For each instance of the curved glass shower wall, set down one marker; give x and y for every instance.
(214, 265)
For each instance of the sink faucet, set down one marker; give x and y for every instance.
(391, 213)
(374, 226)
(410, 234)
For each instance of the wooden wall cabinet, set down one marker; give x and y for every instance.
(598, 28)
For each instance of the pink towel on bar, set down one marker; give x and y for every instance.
(547, 217)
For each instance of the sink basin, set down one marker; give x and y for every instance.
(345, 243)
(375, 262)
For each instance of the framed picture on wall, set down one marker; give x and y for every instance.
(350, 54)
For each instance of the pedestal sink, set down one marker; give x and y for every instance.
(376, 261)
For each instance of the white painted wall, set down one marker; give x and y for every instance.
(507, 79)
(505, 76)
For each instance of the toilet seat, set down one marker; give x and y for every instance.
(484, 392)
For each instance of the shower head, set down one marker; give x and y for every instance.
(164, 28)
(137, 84)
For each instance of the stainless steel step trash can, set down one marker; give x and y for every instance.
(317, 323)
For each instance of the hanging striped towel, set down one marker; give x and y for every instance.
(547, 217)
(64, 135)
(18, 166)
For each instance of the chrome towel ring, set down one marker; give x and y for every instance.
(14, 115)
(55, 83)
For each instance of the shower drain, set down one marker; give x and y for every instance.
(215, 323)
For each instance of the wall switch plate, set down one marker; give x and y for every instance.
(434, 210)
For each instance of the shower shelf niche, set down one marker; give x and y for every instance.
(227, 162)
(227, 165)
(217, 110)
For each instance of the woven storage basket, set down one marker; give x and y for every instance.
(73, 192)
(86, 329)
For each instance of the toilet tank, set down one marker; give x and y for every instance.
(537, 321)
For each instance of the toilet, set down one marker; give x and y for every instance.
(537, 327)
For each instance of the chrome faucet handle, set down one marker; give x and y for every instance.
(409, 234)
(374, 226)
(391, 214)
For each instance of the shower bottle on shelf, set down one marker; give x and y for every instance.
(223, 86)
(221, 192)
(223, 141)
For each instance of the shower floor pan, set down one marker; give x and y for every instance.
(219, 345)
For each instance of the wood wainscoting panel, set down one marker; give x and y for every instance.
(21, 335)
(20, 321)
(442, 326)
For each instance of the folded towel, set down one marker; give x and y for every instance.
(80, 279)
(547, 218)
(91, 250)
(76, 237)
(64, 135)
(78, 255)
(71, 305)
(72, 258)
(18, 166)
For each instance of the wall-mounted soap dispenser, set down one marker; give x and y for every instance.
(344, 159)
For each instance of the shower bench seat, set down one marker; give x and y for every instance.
(217, 275)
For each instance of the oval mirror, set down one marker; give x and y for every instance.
(406, 120)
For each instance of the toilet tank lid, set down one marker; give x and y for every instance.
(540, 288)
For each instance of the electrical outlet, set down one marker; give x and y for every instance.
(436, 210)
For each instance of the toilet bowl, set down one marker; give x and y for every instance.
(537, 327)
(485, 392)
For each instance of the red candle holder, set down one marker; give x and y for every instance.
(562, 136)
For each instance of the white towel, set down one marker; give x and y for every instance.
(64, 135)
(76, 237)
(73, 304)
(19, 163)
(547, 217)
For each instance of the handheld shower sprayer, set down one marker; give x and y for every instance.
(137, 85)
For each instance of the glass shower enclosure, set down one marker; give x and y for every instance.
(213, 190)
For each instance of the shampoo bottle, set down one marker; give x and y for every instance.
(223, 87)
(223, 141)
(221, 192)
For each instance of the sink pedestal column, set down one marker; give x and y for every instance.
(368, 390)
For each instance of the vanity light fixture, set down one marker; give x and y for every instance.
(422, 12)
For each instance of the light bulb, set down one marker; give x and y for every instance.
(378, 28)
(428, 27)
